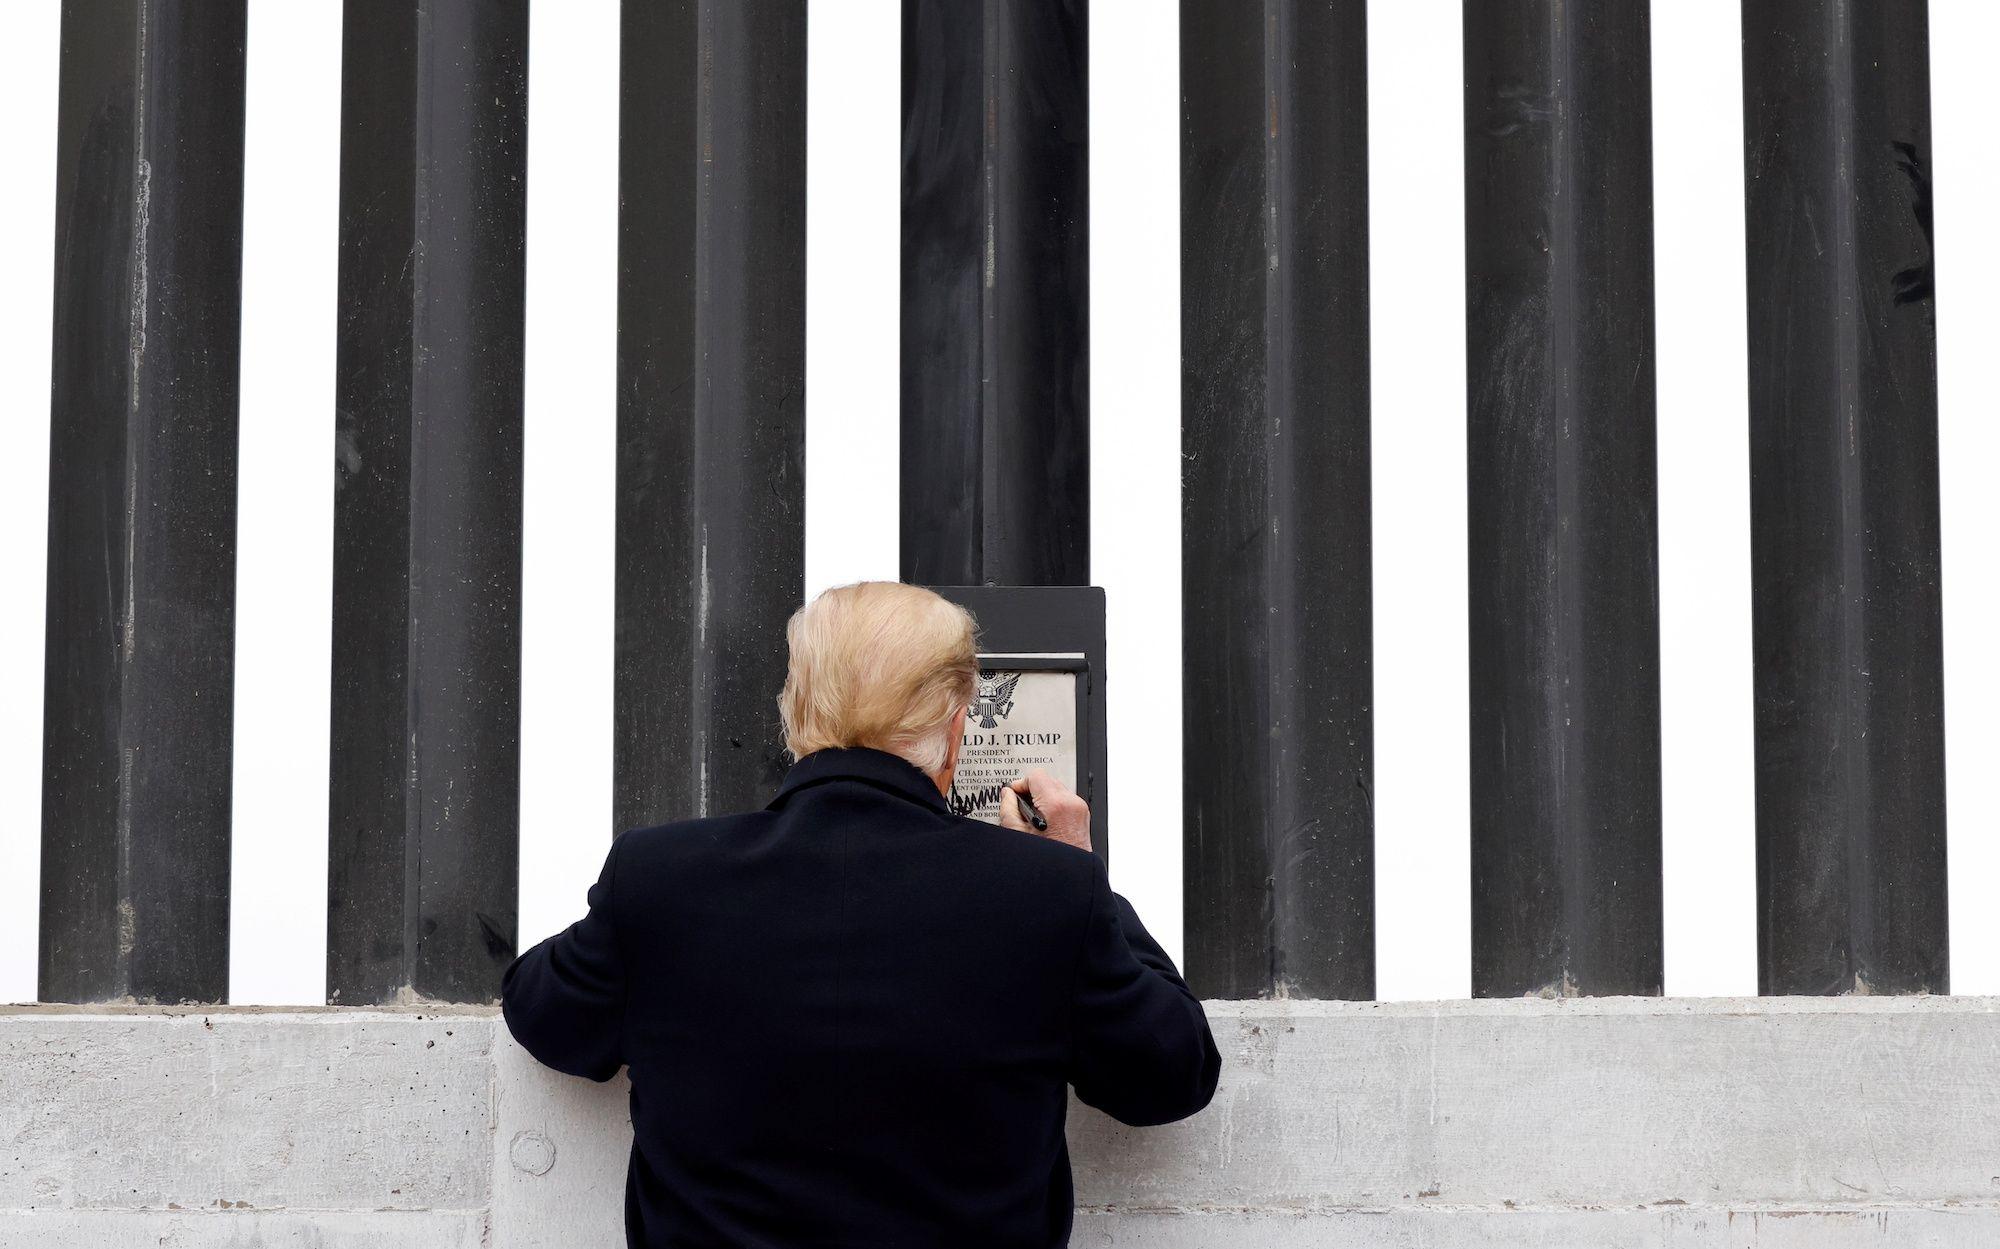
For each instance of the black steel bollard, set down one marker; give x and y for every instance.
(996, 291)
(1563, 554)
(140, 661)
(1844, 498)
(711, 400)
(424, 810)
(1278, 729)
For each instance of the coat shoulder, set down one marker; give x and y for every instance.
(1071, 869)
(680, 839)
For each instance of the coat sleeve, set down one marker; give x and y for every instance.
(564, 1000)
(1141, 1048)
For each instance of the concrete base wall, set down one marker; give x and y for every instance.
(1752, 1124)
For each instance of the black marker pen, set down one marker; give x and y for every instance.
(1035, 817)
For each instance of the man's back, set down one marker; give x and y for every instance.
(850, 1018)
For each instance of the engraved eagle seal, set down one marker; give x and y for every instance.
(994, 699)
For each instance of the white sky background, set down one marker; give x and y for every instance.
(1966, 187)
(1416, 261)
(27, 269)
(569, 495)
(284, 523)
(1708, 859)
(852, 250)
(1135, 443)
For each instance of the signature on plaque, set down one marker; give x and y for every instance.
(1017, 721)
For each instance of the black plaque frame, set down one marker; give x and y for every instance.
(1040, 628)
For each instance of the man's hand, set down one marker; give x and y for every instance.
(1067, 814)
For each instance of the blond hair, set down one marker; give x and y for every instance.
(878, 664)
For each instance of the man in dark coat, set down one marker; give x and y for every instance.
(851, 1018)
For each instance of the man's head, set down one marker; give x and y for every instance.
(884, 665)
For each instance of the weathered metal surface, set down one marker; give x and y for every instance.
(1844, 498)
(140, 659)
(996, 293)
(1278, 730)
(711, 400)
(1563, 554)
(427, 518)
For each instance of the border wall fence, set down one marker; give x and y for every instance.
(1564, 622)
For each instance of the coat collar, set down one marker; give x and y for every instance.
(859, 763)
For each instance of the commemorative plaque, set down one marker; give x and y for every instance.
(1021, 719)
(1039, 702)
